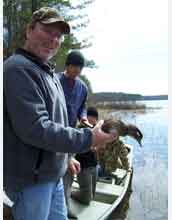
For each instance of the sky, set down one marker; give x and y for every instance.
(129, 46)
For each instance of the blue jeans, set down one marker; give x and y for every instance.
(40, 202)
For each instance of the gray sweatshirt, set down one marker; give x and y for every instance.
(37, 137)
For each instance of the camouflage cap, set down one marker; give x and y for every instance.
(47, 15)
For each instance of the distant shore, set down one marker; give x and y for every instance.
(119, 105)
(120, 97)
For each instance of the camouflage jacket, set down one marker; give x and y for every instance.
(114, 156)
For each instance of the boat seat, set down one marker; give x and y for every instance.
(119, 173)
(108, 189)
(95, 209)
(102, 188)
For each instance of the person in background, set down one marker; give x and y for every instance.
(87, 177)
(37, 137)
(75, 92)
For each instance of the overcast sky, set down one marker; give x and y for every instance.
(130, 46)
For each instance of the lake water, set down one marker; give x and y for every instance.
(149, 197)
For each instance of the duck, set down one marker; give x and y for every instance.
(115, 154)
(117, 126)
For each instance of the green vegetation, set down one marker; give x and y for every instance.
(17, 14)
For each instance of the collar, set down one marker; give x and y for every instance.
(48, 67)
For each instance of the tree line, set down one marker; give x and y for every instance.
(17, 13)
(120, 96)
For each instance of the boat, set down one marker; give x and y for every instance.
(109, 194)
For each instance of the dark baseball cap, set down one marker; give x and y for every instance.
(47, 15)
(75, 58)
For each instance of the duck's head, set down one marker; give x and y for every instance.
(134, 132)
(122, 129)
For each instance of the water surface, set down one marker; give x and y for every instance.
(149, 197)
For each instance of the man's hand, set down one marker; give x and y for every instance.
(85, 122)
(74, 166)
(101, 138)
